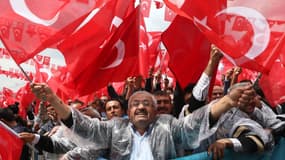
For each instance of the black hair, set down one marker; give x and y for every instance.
(7, 114)
(123, 103)
(160, 93)
(189, 87)
(14, 107)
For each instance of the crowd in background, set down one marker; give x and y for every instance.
(207, 117)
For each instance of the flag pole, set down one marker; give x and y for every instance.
(25, 74)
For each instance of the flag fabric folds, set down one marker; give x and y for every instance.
(273, 85)
(11, 145)
(27, 27)
(81, 48)
(251, 33)
(117, 60)
(189, 50)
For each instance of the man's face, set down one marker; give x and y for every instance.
(51, 112)
(141, 110)
(164, 105)
(114, 109)
(218, 92)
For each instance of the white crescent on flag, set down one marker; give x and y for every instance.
(20, 7)
(48, 72)
(259, 25)
(120, 45)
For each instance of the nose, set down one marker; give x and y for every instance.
(140, 105)
(112, 110)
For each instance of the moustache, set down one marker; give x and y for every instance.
(141, 111)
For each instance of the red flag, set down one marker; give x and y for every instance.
(62, 84)
(169, 15)
(145, 7)
(189, 50)
(29, 26)
(25, 97)
(250, 32)
(11, 146)
(162, 61)
(153, 48)
(225, 65)
(145, 48)
(118, 59)
(86, 43)
(9, 97)
(42, 74)
(282, 57)
(273, 85)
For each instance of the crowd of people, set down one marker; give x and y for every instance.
(152, 119)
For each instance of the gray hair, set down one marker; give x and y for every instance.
(241, 84)
(154, 102)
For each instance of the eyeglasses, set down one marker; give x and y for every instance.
(145, 103)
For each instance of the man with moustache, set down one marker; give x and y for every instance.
(164, 104)
(114, 108)
(145, 135)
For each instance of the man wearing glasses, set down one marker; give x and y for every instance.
(145, 135)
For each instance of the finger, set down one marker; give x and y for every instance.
(219, 154)
(210, 149)
(222, 154)
(215, 156)
(22, 133)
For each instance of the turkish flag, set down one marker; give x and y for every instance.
(29, 26)
(250, 32)
(188, 49)
(86, 43)
(225, 65)
(162, 61)
(62, 84)
(154, 39)
(9, 97)
(117, 61)
(147, 44)
(11, 146)
(169, 15)
(273, 85)
(145, 7)
(42, 74)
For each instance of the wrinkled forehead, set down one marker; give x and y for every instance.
(142, 95)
